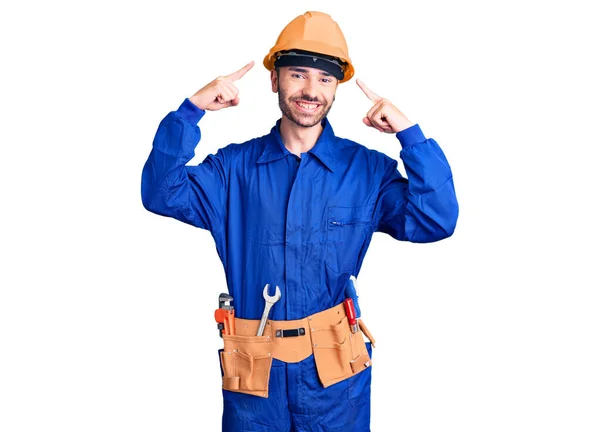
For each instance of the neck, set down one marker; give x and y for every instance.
(298, 139)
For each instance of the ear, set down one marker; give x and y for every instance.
(274, 79)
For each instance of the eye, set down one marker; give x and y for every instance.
(296, 75)
(327, 80)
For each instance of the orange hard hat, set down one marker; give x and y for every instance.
(315, 32)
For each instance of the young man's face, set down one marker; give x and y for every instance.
(305, 94)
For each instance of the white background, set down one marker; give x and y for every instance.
(106, 310)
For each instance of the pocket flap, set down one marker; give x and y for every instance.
(362, 362)
(231, 383)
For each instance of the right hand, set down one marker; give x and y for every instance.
(220, 93)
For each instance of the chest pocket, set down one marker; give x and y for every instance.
(347, 230)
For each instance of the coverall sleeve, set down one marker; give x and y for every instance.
(191, 194)
(422, 208)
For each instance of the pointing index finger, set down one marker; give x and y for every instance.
(370, 94)
(240, 73)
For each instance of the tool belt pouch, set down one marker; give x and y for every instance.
(338, 352)
(246, 364)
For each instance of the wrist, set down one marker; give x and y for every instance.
(195, 101)
(403, 125)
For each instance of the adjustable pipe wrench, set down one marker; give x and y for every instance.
(225, 315)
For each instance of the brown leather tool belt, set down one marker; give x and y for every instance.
(246, 358)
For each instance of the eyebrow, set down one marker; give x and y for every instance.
(302, 70)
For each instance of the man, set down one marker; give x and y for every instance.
(296, 209)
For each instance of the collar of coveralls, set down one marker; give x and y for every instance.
(324, 148)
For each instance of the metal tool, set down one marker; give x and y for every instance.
(225, 315)
(225, 301)
(269, 302)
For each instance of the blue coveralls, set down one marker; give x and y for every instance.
(303, 224)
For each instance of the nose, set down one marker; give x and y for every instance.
(310, 90)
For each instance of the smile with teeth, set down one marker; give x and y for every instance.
(307, 106)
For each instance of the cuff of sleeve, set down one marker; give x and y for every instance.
(411, 136)
(190, 112)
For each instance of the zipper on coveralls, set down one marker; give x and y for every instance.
(338, 223)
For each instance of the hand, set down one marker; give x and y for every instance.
(220, 93)
(384, 116)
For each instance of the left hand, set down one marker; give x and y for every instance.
(383, 116)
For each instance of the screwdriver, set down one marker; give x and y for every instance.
(351, 314)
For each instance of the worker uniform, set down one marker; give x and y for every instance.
(303, 224)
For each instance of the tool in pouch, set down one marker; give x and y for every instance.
(352, 293)
(225, 315)
(269, 302)
(351, 314)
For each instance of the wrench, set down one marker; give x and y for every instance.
(269, 302)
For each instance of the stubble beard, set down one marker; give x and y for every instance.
(303, 119)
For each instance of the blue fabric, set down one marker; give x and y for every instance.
(301, 223)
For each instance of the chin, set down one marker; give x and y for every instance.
(307, 121)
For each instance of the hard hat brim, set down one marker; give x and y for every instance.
(313, 46)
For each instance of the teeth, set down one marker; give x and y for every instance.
(307, 106)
